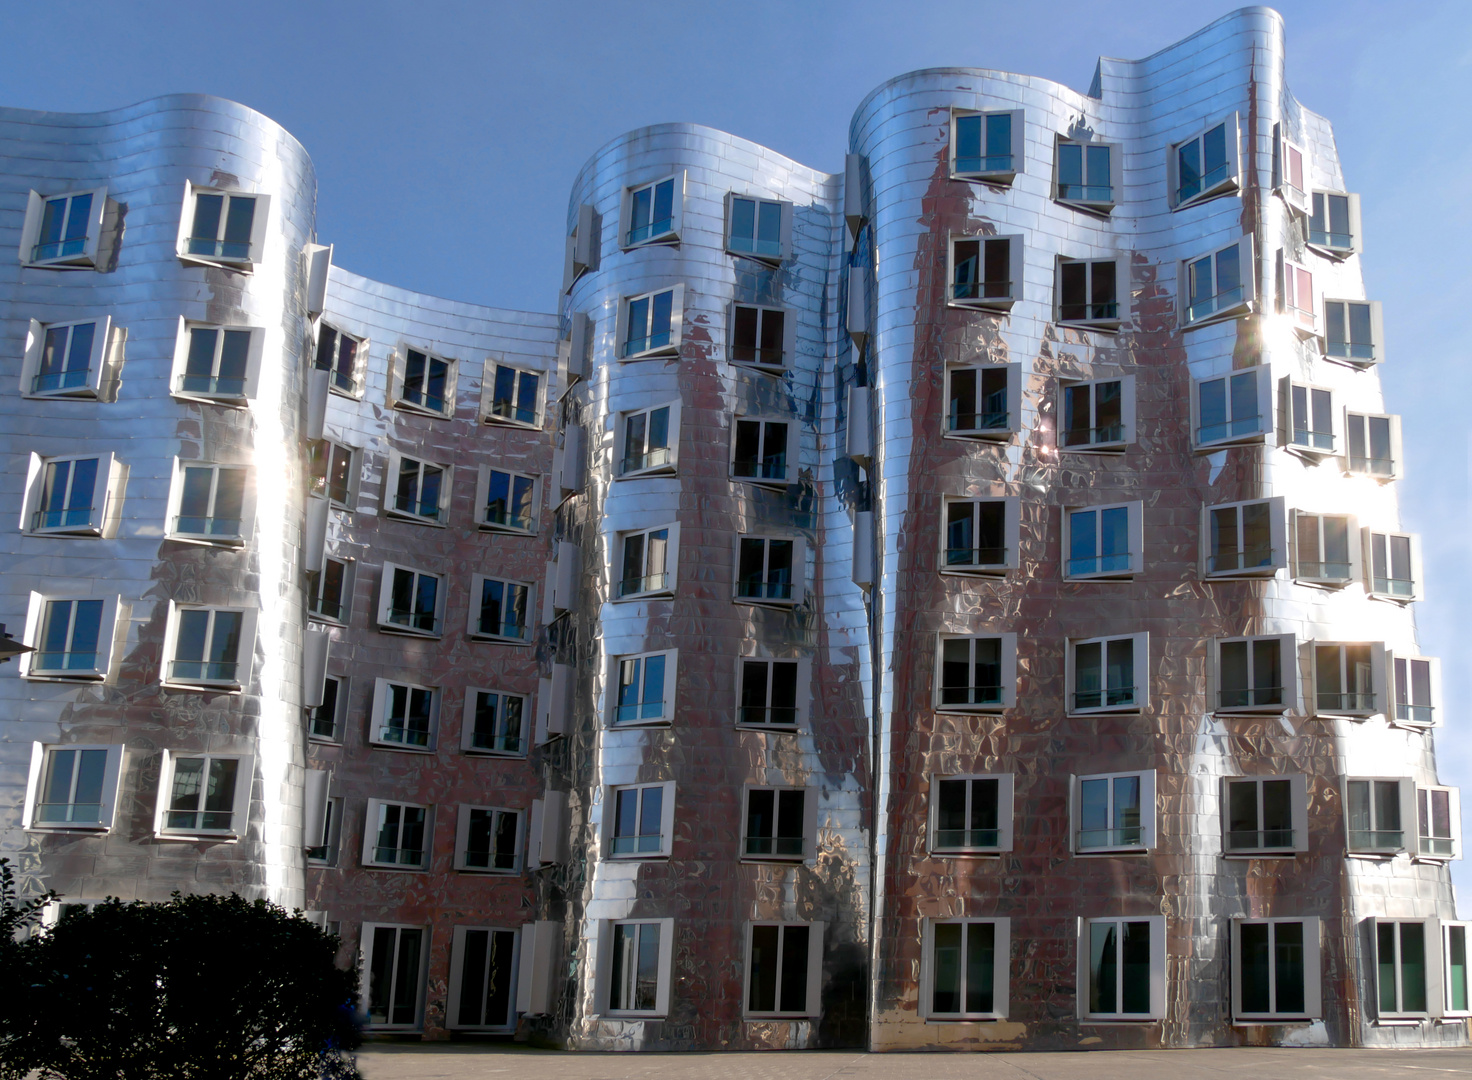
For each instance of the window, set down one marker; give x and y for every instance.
(762, 337)
(760, 228)
(645, 688)
(1352, 331)
(72, 639)
(63, 231)
(1103, 541)
(212, 503)
(1417, 689)
(635, 975)
(977, 674)
(784, 969)
(1266, 815)
(72, 787)
(1296, 295)
(1256, 674)
(1348, 678)
(1244, 539)
(506, 501)
(395, 957)
(515, 395)
(219, 364)
(422, 382)
(987, 146)
(770, 569)
(69, 496)
(1401, 971)
(410, 601)
(500, 609)
(1097, 415)
(582, 246)
(1308, 418)
(1326, 549)
(1092, 293)
(1334, 223)
(964, 970)
(640, 820)
(332, 472)
(1219, 285)
(404, 715)
(1205, 165)
(981, 536)
(1114, 812)
(764, 451)
(651, 212)
(1275, 969)
(482, 980)
(1379, 813)
(1288, 171)
(1458, 990)
(330, 590)
(650, 324)
(772, 693)
(65, 359)
(648, 441)
(337, 353)
(986, 272)
(971, 814)
(203, 795)
(1088, 175)
(1109, 674)
(984, 402)
(495, 723)
(209, 647)
(1233, 408)
(324, 722)
(781, 823)
(396, 835)
(1438, 823)
(1122, 968)
(1374, 445)
(329, 840)
(1394, 563)
(650, 559)
(488, 840)
(222, 228)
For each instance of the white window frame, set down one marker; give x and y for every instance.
(1430, 929)
(809, 823)
(671, 348)
(483, 495)
(1263, 375)
(1005, 797)
(1001, 970)
(784, 234)
(666, 820)
(1296, 297)
(1449, 1007)
(670, 465)
(1356, 230)
(603, 968)
(382, 698)
(1016, 272)
(365, 982)
(1105, 324)
(1377, 333)
(1017, 146)
(1287, 665)
(339, 711)
(1223, 307)
(105, 509)
(1290, 163)
(329, 450)
(1367, 561)
(1229, 184)
(247, 504)
(667, 711)
(370, 837)
(1014, 404)
(671, 565)
(1406, 801)
(398, 371)
(473, 628)
(798, 591)
(1126, 415)
(676, 220)
(467, 724)
(462, 840)
(1298, 809)
(1312, 971)
(1116, 176)
(244, 657)
(488, 395)
(1412, 713)
(1141, 673)
(30, 233)
(814, 984)
(260, 216)
(37, 608)
(802, 693)
(1288, 427)
(1149, 814)
(1011, 534)
(1453, 841)
(240, 797)
(1378, 670)
(1008, 654)
(107, 805)
(1277, 536)
(457, 978)
(785, 360)
(315, 599)
(98, 358)
(332, 811)
(1158, 960)
(1136, 529)
(385, 600)
(250, 381)
(354, 391)
(1356, 551)
(1360, 421)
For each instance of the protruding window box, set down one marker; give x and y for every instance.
(987, 146)
(224, 228)
(63, 232)
(985, 272)
(984, 401)
(980, 536)
(1088, 175)
(67, 359)
(1205, 166)
(976, 673)
(1264, 816)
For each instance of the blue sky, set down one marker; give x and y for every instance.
(446, 137)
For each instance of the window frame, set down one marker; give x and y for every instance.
(1230, 184)
(385, 599)
(483, 476)
(1017, 144)
(239, 805)
(1454, 840)
(1394, 689)
(1278, 551)
(802, 696)
(37, 611)
(1448, 990)
(784, 241)
(370, 833)
(245, 653)
(677, 207)
(1337, 252)
(30, 232)
(359, 366)
(1298, 810)
(1221, 311)
(1263, 375)
(809, 824)
(462, 840)
(1431, 940)
(1011, 533)
(1149, 814)
(1288, 657)
(1116, 175)
(1312, 971)
(467, 722)
(793, 470)
(671, 584)
(382, 688)
(1126, 415)
(1405, 801)
(1001, 969)
(1014, 404)
(1377, 334)
(332, 815)
(1373, 590)
(329, 449)
(785, 361)
(368, 935)
(99, 357)
(1006, 796)
(1136, 527)
(1106, 324)
(339, 711)
(1353, 419)
(813, 986)
(108, 792)
(1008, 655)
(1141, 669)
(398, 371)
(1355, 544)
(260, 216)
(473, 629)
(489, 375)
(670, 467)
(1157, 973)
(105, 510)
(1288, 427)
(669, 350)
(181, 466)
(603, 977)
(667, 712)
(457, 987)
(666, 821)
(799, 569)
(1016, 271)
(1291, 295)
(1378, 669)
(315, 599)
(1295, 195)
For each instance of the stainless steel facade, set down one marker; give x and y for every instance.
(860, 269)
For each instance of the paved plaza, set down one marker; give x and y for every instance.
(464, 1062)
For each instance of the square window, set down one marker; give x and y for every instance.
(1417, 688)
(1121, 968)
(1114, 812)
(1405, 957)
(650, 324)
(506, 501)
(1265, 815)
(483, 970)
(784, 969)
(1092, 293)
(758, 228)
(977, 673)
(651, 213)
(333, 471)
(987, 146)
(495, 722)
(71, 496)
(1457, 998)
(971, 815)
(330, 590)
(985, 271)
(780, 824)
(66, 359)
(1246, 539)
(405, 716)
(634, 967)
(410, 601)
(203, 795)
(1307, 424)
(1231, 409)
(1205, 165)
(1438, 823)
(772, 693)
(1275, 970)
(1393, 565)
(1109, 674)
(325, 722)
(396, 835)
(640, 820)
(1326, 549)
(512, 395)
(222, 228)
(209, 648)
(1349, 678)
(1379, 815)
(1334, 223)
(764, 451)
(1221, 284)
(984, 401)
(964, 969)
(650, 559)
(980, 536)
(647, 441)
(762, 337)
(1256, 674)
(1296, 295)
(500, 610)
(1104, 541)
(337, 353)
(770, 570)
(72, 788)
(328, 838)
(1089, 176)
(1289, 171)
(1097, 415)
(63, 232)
(71, 638)
(212, 504)
(421, 382)
(488, 840)
(1373, 445)
(1353, 331)
(394, 960)
(644, 688)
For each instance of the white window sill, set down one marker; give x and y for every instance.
(206, 541)
(953, 1020)
(66, 676)
(662, 594)
(776, 729)
(420, 410)
(1375, 856)
(355, 394)
(763, 482)
(200, 834)
(1122, 1021)
(481, 871)
(76, 393)
(203, 687)
(619, 725)
(1113, 710)
(1102, 326)
(967, 853)
(408, 631)
(375, 744)
(228, 401)
(1089, 853)
(1236, 311)
(1001, 177)
(513, 755)
(1118, 447)
(506, 421)
(1261, 573)
(752, 601)
(414, 519)
(68, 827)
(999, 305)
(1270, 853)
(977, 571)
(1272, 1021)
(1221, 190)
(998, 435)
(1254, 439)
(89, 531)
(396, 868)
(497, 639)
(324, 740)
(670, 237)
(1399, 1021)
(506, 530)
(1102, 208)
(952, 709)
(243, 266)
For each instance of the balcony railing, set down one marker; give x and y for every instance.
(783, 846)
(967, 838)
(1129, 836)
